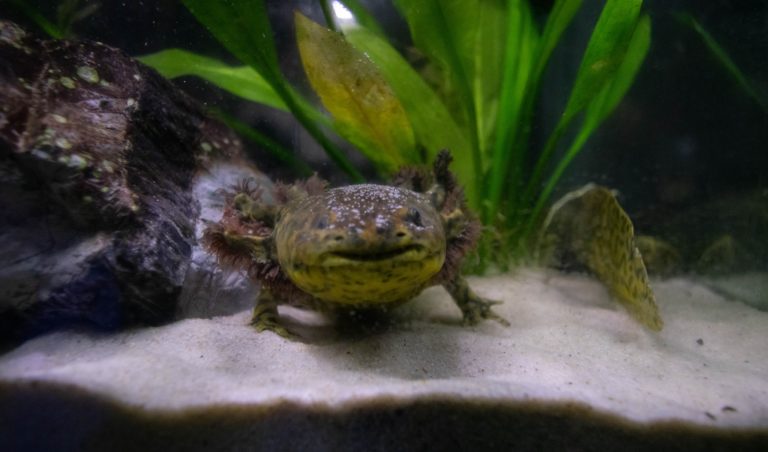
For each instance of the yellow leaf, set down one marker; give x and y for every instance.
(589, 226)
(353, 90)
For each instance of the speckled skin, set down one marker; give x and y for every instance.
(354, 247)
(361, 244)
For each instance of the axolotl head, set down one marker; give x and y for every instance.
(361, 244)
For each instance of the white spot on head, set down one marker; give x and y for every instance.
(365, 204)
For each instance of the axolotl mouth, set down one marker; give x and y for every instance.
(405, 253)
(369, 278)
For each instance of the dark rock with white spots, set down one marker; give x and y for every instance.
(98, 159)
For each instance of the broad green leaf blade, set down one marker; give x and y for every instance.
(558, 20)
(601, 106)
(511, 175)
(241, 81)
(486, 31)
(242, 26)
(441, 29)
(605, 52)
(445, 30)
(433, 125)
(625, 75)
(352, 89)
(521, 42)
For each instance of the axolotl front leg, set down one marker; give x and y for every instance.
(473, 307)
(265, 315)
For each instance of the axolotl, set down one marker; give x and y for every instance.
(357, 247)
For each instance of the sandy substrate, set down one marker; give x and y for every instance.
(568, 344)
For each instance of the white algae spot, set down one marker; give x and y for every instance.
(67, 82)
(63, 143)
(41, 154)
(77, 161)
(88, 74)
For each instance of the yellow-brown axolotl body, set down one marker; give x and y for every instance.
(357, 247)
(361, 244)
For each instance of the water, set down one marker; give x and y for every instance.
(120, 329)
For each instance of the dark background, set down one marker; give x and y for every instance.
(686, 132)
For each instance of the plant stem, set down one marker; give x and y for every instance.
(328, 14)
(508, 125)
(465, 90)
(47, 26)
(543, 198)
(274, 148)
(301, 115)
(542, 162)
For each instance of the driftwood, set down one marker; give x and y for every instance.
(98, 157)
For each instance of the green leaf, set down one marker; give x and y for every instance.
(725, 60)
(604, 55)
(514, 145)
(35, 16)
(433, 125)
(605, 52)
(558, 20)
(242, 26)
(446, 31)
(519, 56)
(241, 81)
(614, 92)
(600, 108)
(352, 89)
(486, 29)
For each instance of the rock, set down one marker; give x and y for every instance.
(725, 235)
(573, 371)
(98, 161)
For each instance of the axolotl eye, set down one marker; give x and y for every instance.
(413, 216)
(321, 223)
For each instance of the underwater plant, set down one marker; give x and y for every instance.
(477, 96)
(725, 61)
(68, 12)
